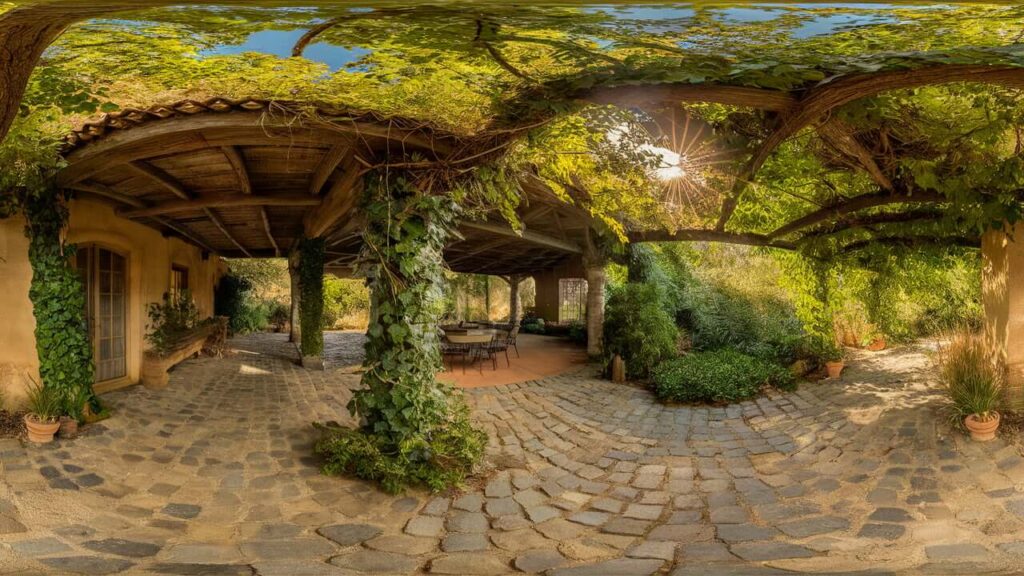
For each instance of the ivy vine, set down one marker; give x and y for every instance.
(414, 429)
(58, 300)
(311, 303)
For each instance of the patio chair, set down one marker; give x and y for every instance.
(449, 349)
(499, 344)
(473, 347)
(512, 335)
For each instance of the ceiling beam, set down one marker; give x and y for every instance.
(185, 232)
(237, 162)
(330, 160)
(219, 201)
(160, 177)
(224, 229)
(525, 235)
(108, 192)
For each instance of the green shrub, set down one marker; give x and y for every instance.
(972, 381)
(44, 402)
(638, 328)
(343, 297)
(577, 332)
(278, 314)
(723, 375)
(170, 320)
(533, 326)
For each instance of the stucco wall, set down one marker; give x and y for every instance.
(546, 302)
(1002, 290)
(149, 256)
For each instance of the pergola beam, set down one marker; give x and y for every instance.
(527, 235)
(338, 202)
(220, 201)
(853, 205)
(825, 97)
(108, 192)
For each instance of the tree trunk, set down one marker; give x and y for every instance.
(295, 330)
(595, 308)
(515, 303)
(27, 31)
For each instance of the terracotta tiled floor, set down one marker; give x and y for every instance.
(539, 357)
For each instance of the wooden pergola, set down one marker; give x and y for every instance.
(249, 178)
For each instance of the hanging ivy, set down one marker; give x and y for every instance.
(311, 304)
(415, 430)
(58, 301)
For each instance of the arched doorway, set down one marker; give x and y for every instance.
(104, 276)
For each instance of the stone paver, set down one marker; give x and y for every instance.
(215, 475)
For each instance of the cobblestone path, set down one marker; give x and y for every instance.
(214, 475)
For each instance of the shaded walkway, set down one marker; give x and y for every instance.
(214, 475)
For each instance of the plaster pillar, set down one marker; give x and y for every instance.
(1002, 289)
(515, 303)
(595, 307)
(294, 329)
(311, 305)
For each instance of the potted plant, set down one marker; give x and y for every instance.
(873, 340)
(42, 419)
(973, 383)
(834, 356)
(75, 402)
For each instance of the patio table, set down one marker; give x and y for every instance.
(474, 344)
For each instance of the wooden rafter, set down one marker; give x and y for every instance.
(478, 250)
(162, 178)
(224, 229)
(266, 228)
(220, 201)
(334, 155)
(185, 232)
(237, 162)
(108, 192)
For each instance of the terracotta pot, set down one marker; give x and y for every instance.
(835, 368)
(40, 432)
(982, 431)
(68, 427)
(877, 344)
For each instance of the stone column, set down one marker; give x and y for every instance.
(515, 303)
(311, 304)
(1002, 289)
(595, 306)
(294, 330)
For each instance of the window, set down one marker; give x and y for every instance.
(572, 300)
(104, 277)
(179, 281)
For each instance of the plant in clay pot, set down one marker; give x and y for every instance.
(834, 357)
(873, 341)
(973, 383)
(75, 402)
(42, 420)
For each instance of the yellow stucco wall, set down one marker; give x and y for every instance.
(546, 302)
(149, 256)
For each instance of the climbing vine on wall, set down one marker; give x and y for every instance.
(311, 303)
(415, 430)
(58, 297)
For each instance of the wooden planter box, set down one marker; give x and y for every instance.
(155, 366)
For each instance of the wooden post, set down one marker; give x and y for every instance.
(311, 305)
(595, 308)
(1002, 292)
(295, 330)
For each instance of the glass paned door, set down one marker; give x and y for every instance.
(105, 276)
